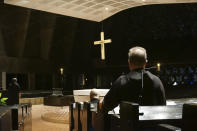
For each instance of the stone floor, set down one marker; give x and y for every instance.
(40, 125)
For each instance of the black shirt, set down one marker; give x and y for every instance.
(129, 88)
(13, 93)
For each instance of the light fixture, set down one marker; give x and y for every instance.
(62, 71)
(158, 66)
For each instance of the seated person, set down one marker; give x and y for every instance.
(97, 119)
(138, 86)
(94, 96)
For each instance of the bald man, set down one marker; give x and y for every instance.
(139, 86)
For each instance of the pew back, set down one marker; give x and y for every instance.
(5, 120)
(135, 117)
(76, 117)
(85, 116)
(71, 117)
(189, 120)
(189, 117)
(129, 116)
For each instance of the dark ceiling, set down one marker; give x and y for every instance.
(168, 32)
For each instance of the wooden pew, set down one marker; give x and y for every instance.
(167, 127)
(189, 117)
(16, 114)
(71, 117)
(129, 116)
(189, 120)
(19, 116)
(75, 117)
(79, 113)
(93, 119)
(85, 116)
(27, 116)
(97, 118)
(135, 118)
(5, 119)
(132, 117)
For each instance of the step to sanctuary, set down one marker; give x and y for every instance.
(33, 101)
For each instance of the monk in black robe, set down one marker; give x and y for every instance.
(13, 92)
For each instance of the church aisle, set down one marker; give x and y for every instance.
(40, 125)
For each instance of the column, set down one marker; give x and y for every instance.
(31, 81)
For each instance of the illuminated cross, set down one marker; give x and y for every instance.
(102, 43)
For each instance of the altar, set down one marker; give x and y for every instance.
(84, 95)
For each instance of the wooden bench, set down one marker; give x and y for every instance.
(5, 119)
(189, 120)
(135, 118)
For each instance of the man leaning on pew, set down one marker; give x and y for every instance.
(138, 86)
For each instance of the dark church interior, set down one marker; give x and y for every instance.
(51, 55)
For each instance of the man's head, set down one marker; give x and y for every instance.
(14, 79)
(94, 94)
(137, 58)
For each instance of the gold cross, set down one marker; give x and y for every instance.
(102, 43)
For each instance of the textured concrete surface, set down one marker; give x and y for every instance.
(40, 125)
